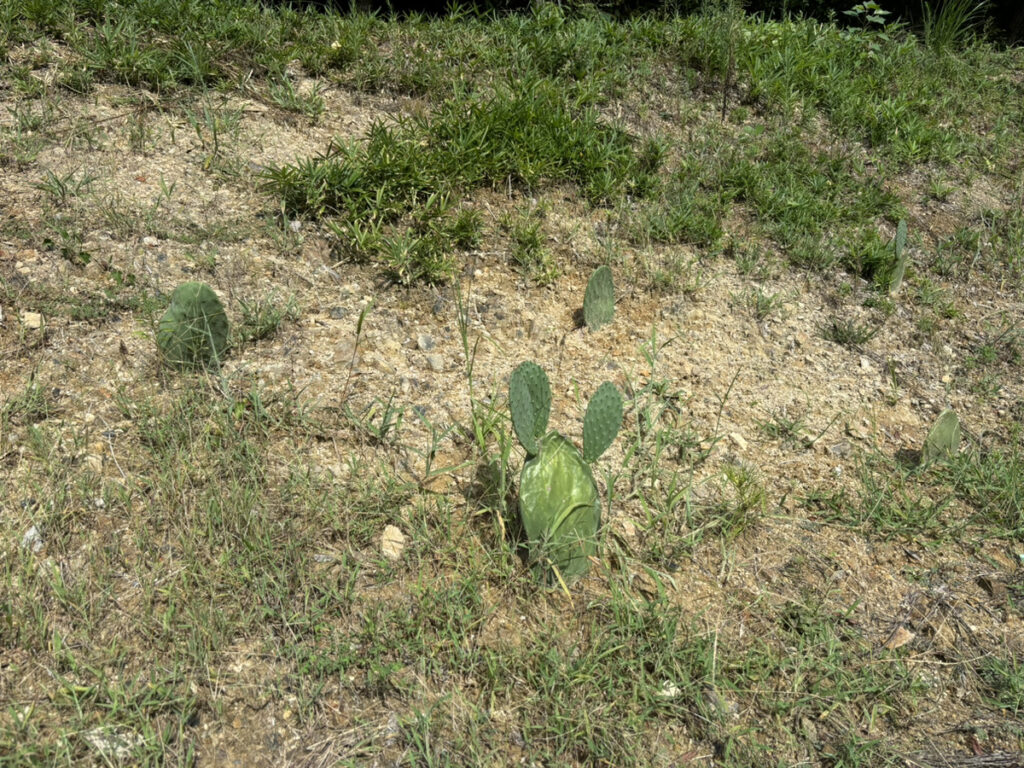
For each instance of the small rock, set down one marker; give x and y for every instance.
(810, 729)
(32, 540)
(628, 528)
(738, 440)
(436, 362)
(32, 320)
(996, 589)
(119, 745)
(669, 690)
(899, 637)
(865, 364)
(392, 543)
(337, 313)
(424, 342)
(840, 449)
(150, 242)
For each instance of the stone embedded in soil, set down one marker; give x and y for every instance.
(436, 362)
(338, 313)
(738, 440)
(899, 637)
(392, 543)
(32, 540)
(32, 320)
(425, 342)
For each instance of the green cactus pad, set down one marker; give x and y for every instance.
(602, 422)
(529, 400)
(560, 509)
(193, 333)
(943, 440)
(599, 300)
(900, 267)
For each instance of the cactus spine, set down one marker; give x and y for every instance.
(193, 333)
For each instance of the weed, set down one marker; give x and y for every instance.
(63, 189)
(261, 318)
(760, 304)
(949, 23)
(528, 249)
(848, 333)
(284, 94)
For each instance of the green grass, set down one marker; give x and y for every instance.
(211, 543)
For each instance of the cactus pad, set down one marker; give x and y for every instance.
(560, 509)
(900, 266)
(529, 400)
(602, 421)
(943, 440)
(193, 333)
(599, 300)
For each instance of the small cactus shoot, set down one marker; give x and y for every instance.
(900, 266)
(943, 440)
(529, 398)
(558, 498)
(602, 422)
(193, 333)
(599, 300)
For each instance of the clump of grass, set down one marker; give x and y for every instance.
(848, 333)
(528, 249)
(525, 135)
(262, 317)
(949, 23)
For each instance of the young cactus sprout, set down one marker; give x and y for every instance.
(529, 401)
(900, 268)
(193, 333)
(943, 440)
(599, 300)
(558, 498)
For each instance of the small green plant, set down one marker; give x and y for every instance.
(949, 23)
(599, 300)
(262, 317)
(193, 333)
(944, 438)
(868, 14)
(558, 498)
(899, 269)
(848, 333)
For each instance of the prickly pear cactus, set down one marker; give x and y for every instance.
(529, 401)
(599, 300)
(560, 509)
(193, 333)
(943, 440)
(900, 268)
(602, 422)
(558, 498)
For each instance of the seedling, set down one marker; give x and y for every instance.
(900, 268)
(558, 498)
(193, 333)
(944, 438)
(599, 300)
